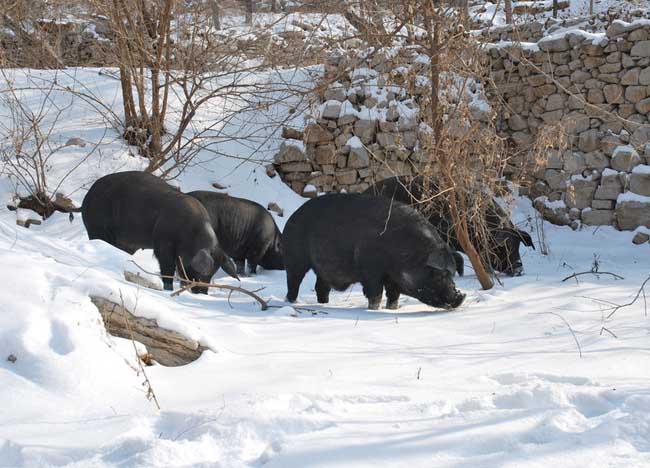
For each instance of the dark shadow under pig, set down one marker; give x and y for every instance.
(246, 231)
(136, 210)
(354, 238)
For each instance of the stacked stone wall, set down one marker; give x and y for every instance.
(596, 87)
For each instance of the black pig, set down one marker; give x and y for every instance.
(136, 210)
(503, 237)
(246, 231)
(360, 238)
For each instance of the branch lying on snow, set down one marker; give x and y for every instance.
(566, 323)
(575, 275)
(641, 290)
(189, 284)
(167, 347)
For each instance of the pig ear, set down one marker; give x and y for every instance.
(229, 267)
(526, 239)
(460, 263)
(203, 262)
(438, 260)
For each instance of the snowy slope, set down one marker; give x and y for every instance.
(498, 382)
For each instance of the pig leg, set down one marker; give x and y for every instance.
(255, 258)
(294, 278)
(392, 295)
(372, 289)
(241, 266)
(322, 291)
(166, 255)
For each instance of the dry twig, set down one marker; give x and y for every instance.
(189, 284)
(575, 275)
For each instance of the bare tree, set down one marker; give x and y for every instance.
(216, 14)
(508, 9)
(248, 6)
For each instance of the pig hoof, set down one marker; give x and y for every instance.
(374, 304)
(392, 305)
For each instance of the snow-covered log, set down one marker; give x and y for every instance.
(167, 347)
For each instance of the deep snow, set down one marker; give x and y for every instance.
(498, 382)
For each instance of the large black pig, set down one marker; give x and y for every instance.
(135, 210)
(354, 238)
(503, 237)
(246, 231)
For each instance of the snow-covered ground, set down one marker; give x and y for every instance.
(523, 375)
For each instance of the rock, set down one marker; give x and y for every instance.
(346, 176)
(602, 204)
(640, 180)
(631, 214)
(625, 158)
(516, 123)
(556, 213)
(644, 76)
(358, 157)
(631, 77)
(588, 141)
(289, 133)
(335, 93)
(270, 170)
(638, 35)
(640, 238)
(643, 106)
(76, 142)
(331, 110)
(326, 154)
(555, 179)
(596, 160)
(610, 186)
(392, 114)
(554, 160)
(641, 49)
(555, 102)
(580, 192)
(409, 140)
(609, 143)
(634, 94)
(309, 191)
(592, 217)
(274, 207)
(314, 133)
(573, 163)
(641, 136)
(595, 96)
(555, 44)
(365, 130)
(296, 167)
(614, 94)
(580, 76)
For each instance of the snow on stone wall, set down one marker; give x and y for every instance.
(597, 86)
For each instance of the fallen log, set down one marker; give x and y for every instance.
(167, 347)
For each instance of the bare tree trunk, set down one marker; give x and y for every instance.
(275, 6)
(458, 216)
(248, 4)
(216, 14)
(508, 9)
(591, 7)
(555, 8)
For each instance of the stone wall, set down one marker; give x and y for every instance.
(365, 126)
(597, 88)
